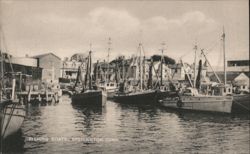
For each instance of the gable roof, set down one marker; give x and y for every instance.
(242, 76)
(46, 54)
(230, 76)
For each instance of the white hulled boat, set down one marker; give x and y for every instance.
(12, 111)
(191, 99)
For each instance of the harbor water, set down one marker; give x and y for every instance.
(121, 128)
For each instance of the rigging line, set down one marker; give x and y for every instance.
(184, 55)
(3, 112)
(10, 117)
(244, 106)
(143, 50)
(209, 50)
(5, 48)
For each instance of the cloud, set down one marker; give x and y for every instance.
(61, 33)
(113, 20)
(190, 21)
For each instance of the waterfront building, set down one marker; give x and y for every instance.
(166, 72)
(241, 82)
(179, 73)
(238, 65)
(235, 69)
(105, 71)
(50, 63)
(25, 65)
(69, 67)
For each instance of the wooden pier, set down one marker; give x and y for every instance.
(34, 94)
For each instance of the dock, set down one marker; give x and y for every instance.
(41, 95)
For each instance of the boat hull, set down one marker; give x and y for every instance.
(201, 103)
(110, 94)
(111, 91)
(241, 103)
(92, 98)
(137, 98)
(12, 117)
(169, 103)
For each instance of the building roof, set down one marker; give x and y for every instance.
(230, 76)
(46, 54)
(242, 76)
(105, 65)
(79, 57)
(167, 59)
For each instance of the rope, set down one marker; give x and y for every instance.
(242, 105)
(10, 116)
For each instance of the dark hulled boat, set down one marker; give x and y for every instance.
(241, 103)
(138, 93)
(147, 96)
(87, 95)
(90, 98)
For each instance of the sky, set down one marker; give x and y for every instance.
(67, 27)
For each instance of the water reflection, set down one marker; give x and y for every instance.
(122, 128)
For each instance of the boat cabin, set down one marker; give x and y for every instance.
(222, 90)
(190, 92)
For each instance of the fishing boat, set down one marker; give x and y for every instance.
(107, 85)
(110, 87)
(192, 99)
(164, 89)
(12, 117)
(12, 110)
(146, 96)
(135, 91)
(86, 94)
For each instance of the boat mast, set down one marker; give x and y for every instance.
(123, 70)
(195, 52)
(140, 48)
(202, 52)
(224, 56)
(90, 80)
(144, 70)
(109, 48)
(162, 60)
(187, 74)
(86, 73)
(1, 87)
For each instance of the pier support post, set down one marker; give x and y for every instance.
(29, 94)
(47, 95)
